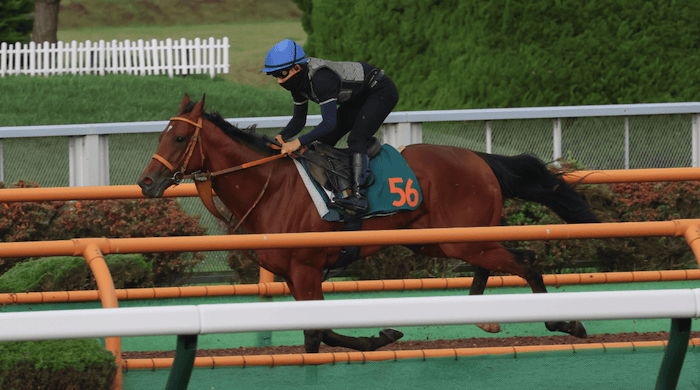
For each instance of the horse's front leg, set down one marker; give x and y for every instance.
(386, 336)
(305, 284)
(313, 339)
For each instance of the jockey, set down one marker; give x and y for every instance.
(354, 97)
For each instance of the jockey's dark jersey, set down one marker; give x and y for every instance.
(343, 92)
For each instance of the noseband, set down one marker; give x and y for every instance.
(178, 175)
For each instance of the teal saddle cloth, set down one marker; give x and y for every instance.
(394, 187)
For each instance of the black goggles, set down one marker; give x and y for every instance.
(280, 74)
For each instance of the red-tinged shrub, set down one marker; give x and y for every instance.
(27, 221)
(124, 218)
(624, 202)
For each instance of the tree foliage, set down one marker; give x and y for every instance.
(16, 20)
(450, 54)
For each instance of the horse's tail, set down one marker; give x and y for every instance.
(526, 177)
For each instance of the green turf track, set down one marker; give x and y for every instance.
(589, 369)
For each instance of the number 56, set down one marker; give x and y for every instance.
(409, 195)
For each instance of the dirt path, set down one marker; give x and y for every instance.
(481, 342)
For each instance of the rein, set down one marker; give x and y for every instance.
(203, 180)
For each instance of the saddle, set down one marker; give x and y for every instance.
(330, 167)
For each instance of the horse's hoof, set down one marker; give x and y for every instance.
(491, 328)
(579, 330)
(574, 328)
(391, 333)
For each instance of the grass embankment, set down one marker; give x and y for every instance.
(252, 27)
(32, 101)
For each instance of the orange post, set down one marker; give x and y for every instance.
(266, 279)
(108, 296)
(691, 235)
(266, 283)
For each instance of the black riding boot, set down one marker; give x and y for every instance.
(360, 172)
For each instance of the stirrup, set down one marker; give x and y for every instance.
(358, 204)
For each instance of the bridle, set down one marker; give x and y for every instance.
(203, 179)
(178, 176)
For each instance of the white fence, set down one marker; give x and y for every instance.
(127, 57)
(349, 313)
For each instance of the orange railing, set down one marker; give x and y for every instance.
(278, 288)
(378, 356)
(134, 191)
(688, 228)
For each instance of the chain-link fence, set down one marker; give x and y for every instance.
(653, 141)
(648, 141)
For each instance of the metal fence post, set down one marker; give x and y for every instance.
(675, 354)
(627, 142)
(556, 141)
(489, 147)
(88, 160)
(184, 362)
(695, 147)
(402, 134)
(2, 163)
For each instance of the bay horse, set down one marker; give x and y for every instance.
(460, 187)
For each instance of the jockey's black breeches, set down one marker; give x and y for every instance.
(363, 117)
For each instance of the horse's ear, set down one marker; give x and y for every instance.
(184, 102)
(199, 107)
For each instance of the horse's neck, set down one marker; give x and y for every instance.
(240, 190)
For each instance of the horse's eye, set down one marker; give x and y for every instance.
(179, 139)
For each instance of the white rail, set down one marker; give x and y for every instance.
(171, 57)
(350, 313)
(400, 128)
(401, 117)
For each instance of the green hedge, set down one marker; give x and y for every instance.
(506, 53)
(73, 273)
(56, 364)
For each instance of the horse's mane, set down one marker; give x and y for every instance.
(247, 135)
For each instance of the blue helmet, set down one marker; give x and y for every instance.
(283, 55)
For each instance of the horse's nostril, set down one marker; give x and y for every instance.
(147, 181)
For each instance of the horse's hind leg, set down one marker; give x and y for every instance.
(481, 276)
(533, 276)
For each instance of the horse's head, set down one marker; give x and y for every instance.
(179, 150)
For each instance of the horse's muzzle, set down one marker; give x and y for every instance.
(153, 188)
